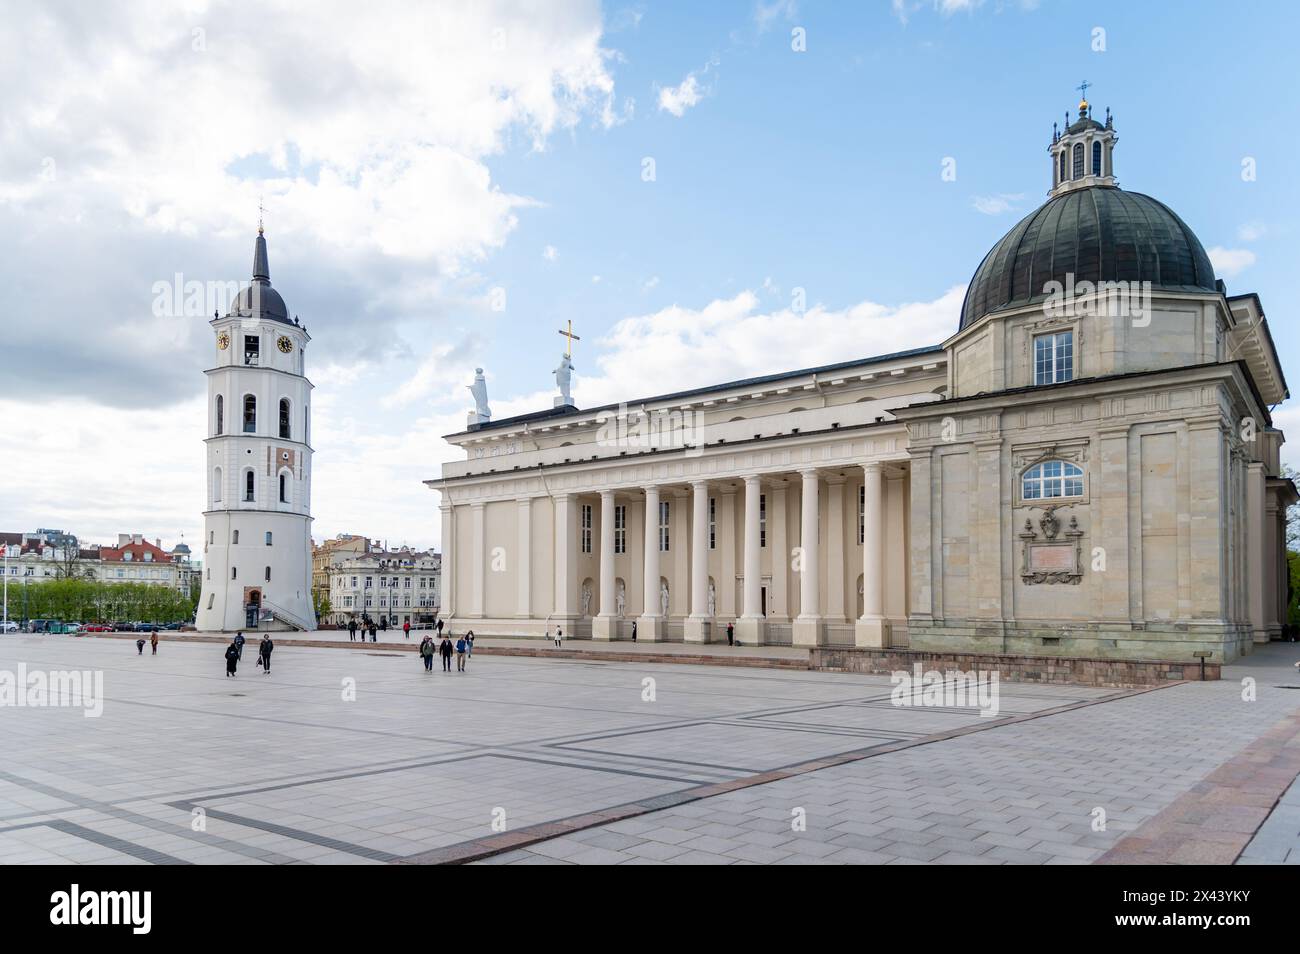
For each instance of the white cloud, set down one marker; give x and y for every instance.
(1230, 262)
(550, 253)
(1251, 231)
(677, 99)
(996, 204)
(766, 14)
(650, 283)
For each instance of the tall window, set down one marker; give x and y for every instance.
(252, 348)
(1063, 169)
(221, 414)
(713, 523)
(762, 520)
(1054, 358)
(250, 414)
(284, 418)
(663, 526)
(248, 486)
(1096, 158)
(284, 489)
(586, 528)
(234, 537)
(268, 574)
(620, 529)
(1078, 161)
(216, 485)
(268, 543)
(862, 514)
(1052, 478)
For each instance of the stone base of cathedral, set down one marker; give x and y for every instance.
(698, 629)
(749, 631)
(871, 633)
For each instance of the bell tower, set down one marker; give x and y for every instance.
(257, 523)
(1082, 153)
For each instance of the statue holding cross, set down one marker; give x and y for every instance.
(564, 373)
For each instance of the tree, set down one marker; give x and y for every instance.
(1292, 514)
(322, 602)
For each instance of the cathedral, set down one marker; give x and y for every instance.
(1086, 467)
(257, 523)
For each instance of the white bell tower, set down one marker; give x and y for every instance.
(257, 534)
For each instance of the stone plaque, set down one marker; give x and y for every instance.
(1051, 557)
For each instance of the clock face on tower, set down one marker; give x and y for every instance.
(223, 340)
(284, 344)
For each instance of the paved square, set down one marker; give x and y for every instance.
(285, 769)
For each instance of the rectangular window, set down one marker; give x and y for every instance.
(862, 514)
(268, 538)
(713, 523)
(211, 597)
(369, 581)
(268, 574)
(664, 512)
(234, 536)
(762, 520)
(406, 584)
(586, 528)
(1054, 358)
(620, 529)
(252, 348)
(234, 573)
(354, 582)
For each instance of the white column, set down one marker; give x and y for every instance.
(449, 557)
(650, 624)
(807, 628)
(605, 624)
(749, 629)
(478, 582)
(835, 585)
(872, 630)
(697, 624)
(564, 506)
(523, 565)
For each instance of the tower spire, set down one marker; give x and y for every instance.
(261, 267)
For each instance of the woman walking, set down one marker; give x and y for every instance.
(232, 658)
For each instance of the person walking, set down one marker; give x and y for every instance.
(264, 654)
(352, 630)
(731, 635)
(460, 654)
(445, 649)
(139, 646)
(239, 645)
(406, 629)
(373, 630)
(153, 641)
(426, 653)
(469, 644)
(232, 658)
(634, 631)
(440, 628)
(559, 635)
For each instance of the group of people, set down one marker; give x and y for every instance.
(463, 648)
(153, 641)
(235, 652)
(367, 625)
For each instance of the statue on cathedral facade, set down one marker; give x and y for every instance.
(481, 413)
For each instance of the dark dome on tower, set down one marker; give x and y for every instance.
(1097, 234)
(259, 300)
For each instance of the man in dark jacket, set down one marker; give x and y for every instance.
(445, 649)
(352, 630)
(264, 654)
(426, 653)
(239, 644)
(232, 658)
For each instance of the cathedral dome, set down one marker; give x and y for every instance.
(1097, 234)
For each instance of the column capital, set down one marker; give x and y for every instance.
(698, 482)
(752, 480)
(478, 505)
(874, 466)
(809, 473)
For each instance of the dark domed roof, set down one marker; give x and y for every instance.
(1099, 233)
(259, 300)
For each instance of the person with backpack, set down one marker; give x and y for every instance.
(469, 644)
(264, 655)
(460, 654)
(426, 653)
(239, 645)
(352, 630)
(445, 649)
(559, 635)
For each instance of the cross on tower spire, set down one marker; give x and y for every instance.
(261, 210)
(568, 345)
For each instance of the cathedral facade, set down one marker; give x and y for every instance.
(257, 523)
(1086, 467)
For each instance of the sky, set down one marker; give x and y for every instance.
(446, 185)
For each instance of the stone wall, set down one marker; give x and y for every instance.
(1059, 670)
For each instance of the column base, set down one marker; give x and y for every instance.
(749, 630)
(872, 633)
(806, 631)
(697, 629)
(604, 627)
(651, 629)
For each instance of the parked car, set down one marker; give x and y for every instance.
(121, 626)
(146, 627)
(97, 628)
(8, 626)
(173, 626)
(41, 625)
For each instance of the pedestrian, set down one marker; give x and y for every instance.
(439, 627)
(383, 622)
(469, 643)
(445, 649)
(153, 641)
(426, 653)
(731, 635)
(406, 629)
(232, 658)
(373, 630)
(239, 645)
(460, 654)
(352, 630)
(634, 631)
(559, 635)
(139, 646)
(264, 654)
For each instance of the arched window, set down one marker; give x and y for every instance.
(1096, 158)
(221, 414)
(1051, 478)
(1078, 161)
(216, 485)
(284, 418)
(248, 486)
(1063, 169)
(250, 414)
(284, 488)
